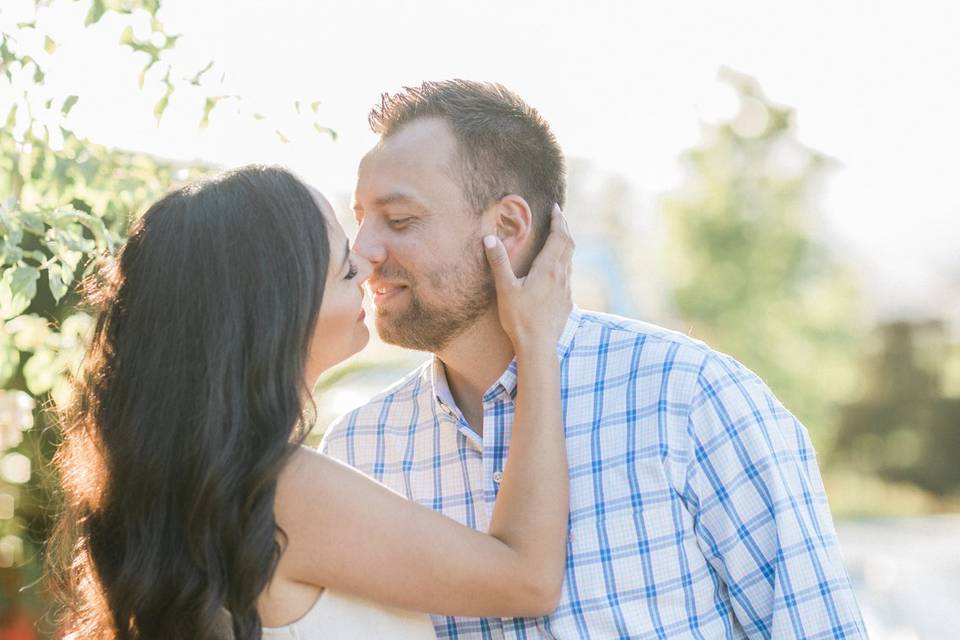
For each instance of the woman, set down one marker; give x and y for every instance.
(192, 510)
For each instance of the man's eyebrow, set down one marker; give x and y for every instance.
(399, 198)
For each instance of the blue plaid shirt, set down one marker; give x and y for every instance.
(696, 506)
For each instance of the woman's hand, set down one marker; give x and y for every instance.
(533, 310)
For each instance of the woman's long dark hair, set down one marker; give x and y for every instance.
(188, 406)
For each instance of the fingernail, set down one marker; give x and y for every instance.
(489, 242)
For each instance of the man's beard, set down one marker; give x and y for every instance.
(467, 291)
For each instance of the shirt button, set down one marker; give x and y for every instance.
(498, 476)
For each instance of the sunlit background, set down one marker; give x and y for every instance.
(778, 180)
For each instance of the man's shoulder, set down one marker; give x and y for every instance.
(701, 370)
(409, 389)
(607, 331)
(651, 349)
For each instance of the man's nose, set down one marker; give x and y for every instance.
(364, 268)
(369, 244)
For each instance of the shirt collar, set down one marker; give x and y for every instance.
(508, 379)
(565, 343)
(441, 390)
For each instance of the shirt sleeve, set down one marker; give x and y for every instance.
(760, 511)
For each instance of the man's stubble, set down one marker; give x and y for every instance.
(465, 290)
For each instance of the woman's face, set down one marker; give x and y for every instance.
(340, 331)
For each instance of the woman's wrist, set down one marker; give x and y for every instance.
(534, 348)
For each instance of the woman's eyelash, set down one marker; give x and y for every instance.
(351, 274)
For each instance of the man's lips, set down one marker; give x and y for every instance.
(383, 292)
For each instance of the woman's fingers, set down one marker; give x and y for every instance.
(555, 257)
(553, 248)
(534, 307)
(557, 251)
(496, 253)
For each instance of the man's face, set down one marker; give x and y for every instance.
(430, 278)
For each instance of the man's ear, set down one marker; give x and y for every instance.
(513, 224)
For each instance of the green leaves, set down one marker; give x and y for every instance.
(7, 57)
(163, 102)
(28, 332)
(11, 234)
(195, 80)
(59, 277)
(97, 9)
(12, 117)
(153, 51)
(209, 105)
(68, 104)
(10, 253)
(18, 286)
(9, 358)
(62, 235)
(41, 371)
(325, 131)
(46, 246)
(30, 221)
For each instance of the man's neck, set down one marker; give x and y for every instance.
(474, 360)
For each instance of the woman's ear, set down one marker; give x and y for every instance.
(513, 224)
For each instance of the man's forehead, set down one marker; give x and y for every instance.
(430, 132)
(422, 145)
(412, 164)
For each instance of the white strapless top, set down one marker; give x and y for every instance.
(344, 617)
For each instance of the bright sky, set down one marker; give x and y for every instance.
(625, 84)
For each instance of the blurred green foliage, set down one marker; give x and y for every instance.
(65, 205)
(751, 272)
(754, 275)
(905, 426)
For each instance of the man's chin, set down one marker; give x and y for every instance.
(407, 332)
(398, 333)
(414, 325)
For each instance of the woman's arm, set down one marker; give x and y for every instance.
(346, 531)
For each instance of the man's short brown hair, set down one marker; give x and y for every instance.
(505, 146)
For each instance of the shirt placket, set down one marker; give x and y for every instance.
(494, 414)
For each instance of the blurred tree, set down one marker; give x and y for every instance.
(750, 266)
(904, 427)
(612, 242)
(65, 205)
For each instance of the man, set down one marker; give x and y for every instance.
(697, 509)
